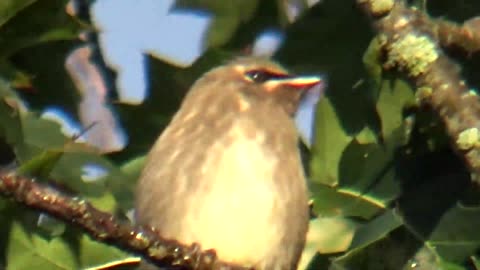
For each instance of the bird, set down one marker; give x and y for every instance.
(226, 172)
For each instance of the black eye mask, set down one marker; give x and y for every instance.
(261, 75)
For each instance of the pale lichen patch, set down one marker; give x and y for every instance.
(470, 93)
(423, 93)
(401, 22)
(468, 138)
(380, 7)
(412, 53)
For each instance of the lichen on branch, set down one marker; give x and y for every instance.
(413, 44)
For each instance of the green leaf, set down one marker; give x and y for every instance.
(106, 202)
(456, 238)
(93, 253)
(72, 170)
(32, 251)
(326, 235)
(42, 133)
(368, 169)
(375, 230)
(394, 251)
(10, 8)
(10, 121)
(303, 51)
(373, 64)
(51, 225)
(133, 168)
(394, 97)
(52, 85)
(17, 79)
(228, 16)
(35, 22)
(331, 140)
(435, 209)
(366, 136)
(331, 235)
(41, 164)
(476, 262)
(443, 265)
(329, 202)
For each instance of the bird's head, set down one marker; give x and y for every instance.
(258, 81)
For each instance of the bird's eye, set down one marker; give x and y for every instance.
(261, 76)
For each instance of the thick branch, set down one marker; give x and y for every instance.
(105, 228)
(410, 40)
(465, 36)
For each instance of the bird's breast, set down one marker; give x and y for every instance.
(231, 184)
(236, 202)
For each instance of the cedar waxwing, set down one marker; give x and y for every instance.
(226, 172)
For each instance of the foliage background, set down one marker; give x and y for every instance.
(389, 191)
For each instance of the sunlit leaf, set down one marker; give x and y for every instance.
(331, 140)
(228, 16)
(32, 251)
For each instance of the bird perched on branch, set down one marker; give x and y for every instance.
(226, 172)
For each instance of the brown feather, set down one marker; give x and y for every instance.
(226, 173)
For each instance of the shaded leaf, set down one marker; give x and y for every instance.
(455, 236)
(17, 78)
(52, 86)
(385, 252)
(317, 42)
(10, 121)
(375, 230)
(10, 8)
(332, 202)
(373, 64)
(368, 170)
(37, 22)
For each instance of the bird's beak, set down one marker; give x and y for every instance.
(298, 82)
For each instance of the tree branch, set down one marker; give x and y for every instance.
(465, 36)
(411, 42)
(106, 228)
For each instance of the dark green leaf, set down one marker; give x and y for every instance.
(375, 230)
(10, 8)
(36, 22)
